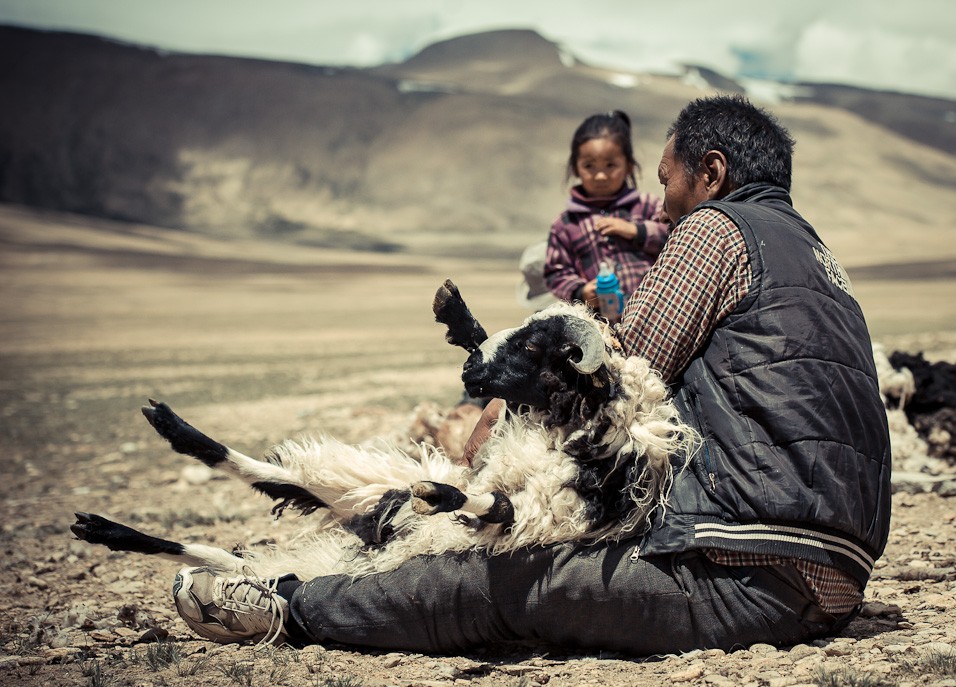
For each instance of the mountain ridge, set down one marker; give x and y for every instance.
(460, 148)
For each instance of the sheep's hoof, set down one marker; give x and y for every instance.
(183, 437)
(422, 507)
(429, 498)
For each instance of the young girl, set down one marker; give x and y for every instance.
(606, 219)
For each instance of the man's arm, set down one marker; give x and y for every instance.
(699, 278)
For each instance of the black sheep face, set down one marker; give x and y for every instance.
(528, 365)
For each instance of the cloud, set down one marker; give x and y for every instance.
(876, 57)
(899, 46)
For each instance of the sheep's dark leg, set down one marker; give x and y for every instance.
(429, 498)
(182, 436)
(96, 529)
(268, 478)
(450, 309)
(376, 526)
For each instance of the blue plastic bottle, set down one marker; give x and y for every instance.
(609, 293)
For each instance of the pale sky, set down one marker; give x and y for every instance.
(907, 46)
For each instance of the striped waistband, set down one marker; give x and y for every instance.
(800, 542)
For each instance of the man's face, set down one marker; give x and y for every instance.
(682, 192)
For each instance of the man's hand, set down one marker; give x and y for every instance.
(482, 430)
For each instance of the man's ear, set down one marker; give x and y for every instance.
(715, 179)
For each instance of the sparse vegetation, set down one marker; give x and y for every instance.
(161, 655)
(935, 660)
(24, 639)
(339, 682)
(239, 672)
(282, 655)
(93, 672)
(192, 666)
(849, 677)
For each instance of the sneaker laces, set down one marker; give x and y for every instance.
(239, 589)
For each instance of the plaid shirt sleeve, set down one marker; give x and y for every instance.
(699, 278)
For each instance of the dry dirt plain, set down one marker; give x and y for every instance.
(258, 342)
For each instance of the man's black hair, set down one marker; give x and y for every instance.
(757, 147)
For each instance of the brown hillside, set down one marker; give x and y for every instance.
(459, 150)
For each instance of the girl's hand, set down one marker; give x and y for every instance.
(615, 226)
(589, 294)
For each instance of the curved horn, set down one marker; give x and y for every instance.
(586, 336)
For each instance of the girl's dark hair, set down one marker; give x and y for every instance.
(615, 126)
(757, 146)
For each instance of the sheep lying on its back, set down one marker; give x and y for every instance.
(584, 451)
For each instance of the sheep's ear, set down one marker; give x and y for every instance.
(450, 310)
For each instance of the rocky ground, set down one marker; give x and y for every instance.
(74, 614)
(254, 355)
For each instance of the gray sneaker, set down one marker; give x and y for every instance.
(230, 609)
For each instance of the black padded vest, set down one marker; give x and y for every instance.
(796, 453)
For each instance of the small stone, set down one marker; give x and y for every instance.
(125, 587)
(802, 651)
(61, 639)
(153, 634)
(686, 675)
(196, 474)
(392, 661)
(786, 681)
(58, 654)
(37, 582)
(947, 488)
(763, 648)
(895, 648)
(874, 609)
(939, 602)
(837, 650)
(449, 671)
(17, 661)
(720, 681)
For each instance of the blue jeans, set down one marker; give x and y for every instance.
(573, 597)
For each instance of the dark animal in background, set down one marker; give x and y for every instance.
(931, 406)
